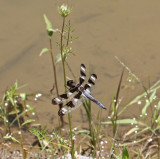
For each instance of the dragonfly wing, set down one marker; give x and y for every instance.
(93, 99)
(82, 74)
(77, 103)
(62, 98)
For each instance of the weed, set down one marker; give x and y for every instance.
(12, 110)
(147, 127)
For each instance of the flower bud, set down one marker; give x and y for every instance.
(64, 10)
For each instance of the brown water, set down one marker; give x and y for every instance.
(106, 28)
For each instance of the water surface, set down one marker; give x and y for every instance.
(106, 28)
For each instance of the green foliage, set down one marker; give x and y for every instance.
(28, 121)
(58, 58)
(11, 138)
(44, 50)
(125, 154)
(94, 130)
(64, 44)
(52, 141)
(49, 27)
(13, 106)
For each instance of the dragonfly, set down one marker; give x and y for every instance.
(76, 91)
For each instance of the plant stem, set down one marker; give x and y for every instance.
(65, 86)
(71, 137)
(54, 68)
(19, 125)
(158, 138)
(62, 57)
(67, 44)
(55, 78)
(68, 35)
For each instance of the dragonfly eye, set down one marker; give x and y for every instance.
(71, 83)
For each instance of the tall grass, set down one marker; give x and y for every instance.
(144, 124)
(13, 108)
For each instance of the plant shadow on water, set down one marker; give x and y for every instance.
(101, 139)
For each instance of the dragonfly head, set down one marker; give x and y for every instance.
(71, 83)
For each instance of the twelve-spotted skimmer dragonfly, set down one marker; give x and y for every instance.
(71, 99)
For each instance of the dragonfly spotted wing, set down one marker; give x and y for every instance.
(71, 99)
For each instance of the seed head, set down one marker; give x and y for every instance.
(64, 10)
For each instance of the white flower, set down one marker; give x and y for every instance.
(149, 140)
(19, 132)
(102, 142)
(64, 10)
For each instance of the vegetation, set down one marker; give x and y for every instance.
(141, 137)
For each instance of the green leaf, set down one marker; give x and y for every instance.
(58, 58)
(148, 103)
(158, 119)
(13, 112)
(125, 154)
(81, 132)
(49, 26)
(23, 96)
(15, 140)
(131, 131)
(123, 121)
(28, 121)
(15, 87)
(158, 106)
(31, 109)
(48, 23)
(43, 51)
(12, 138)
(11, 100)
(153, 88)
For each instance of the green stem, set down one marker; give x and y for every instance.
(71, 137)
(55, 77)
(158, 147)
(65, 85)
(68, 36)
(62, 57)
(54, 68)
(20, 129)
(67, 44)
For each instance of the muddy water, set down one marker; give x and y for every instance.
(106, 28)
